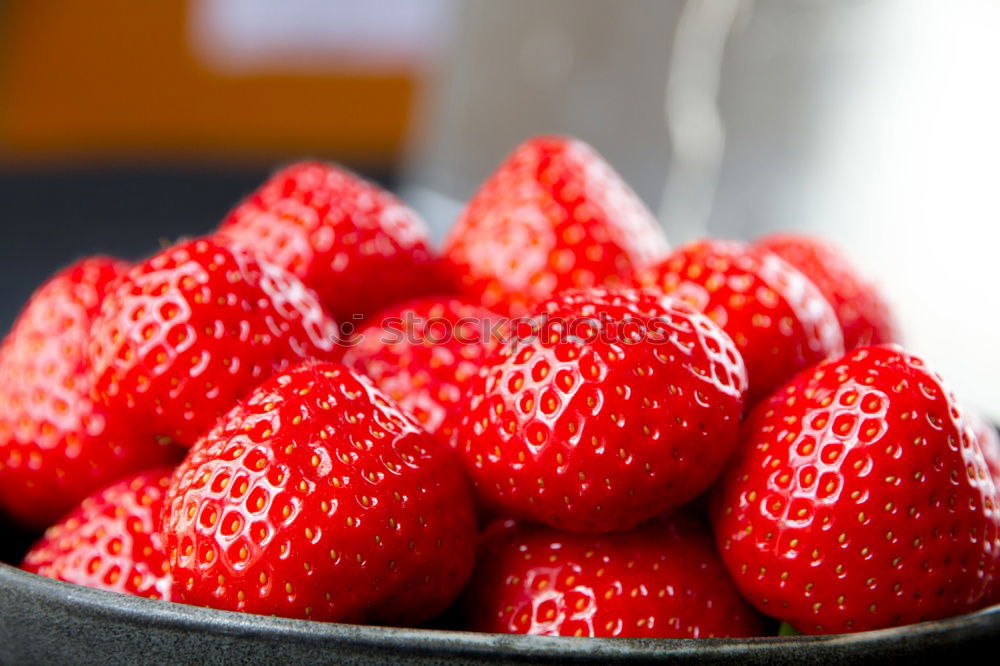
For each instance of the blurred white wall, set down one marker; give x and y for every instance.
(892, 150)
(254, 37)
(875, 123)
(516, 68)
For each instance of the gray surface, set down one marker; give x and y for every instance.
(591, 68)
(43, 621)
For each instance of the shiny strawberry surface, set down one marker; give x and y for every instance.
(626, 403)
(317, 498)
(989, 442)
(660, 580)
(423, 353)
(56, 445)
(553, 216)
(111, 541)
(778, 319)
(186, 334)
(358, 246)
(858, 500)
(865, 317)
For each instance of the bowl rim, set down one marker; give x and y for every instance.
(137, 611)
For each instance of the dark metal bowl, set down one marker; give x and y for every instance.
(45, 621)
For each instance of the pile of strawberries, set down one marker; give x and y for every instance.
(557, 426)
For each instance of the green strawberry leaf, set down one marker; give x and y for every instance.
(787, 630)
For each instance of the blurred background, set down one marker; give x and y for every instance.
(875, 123)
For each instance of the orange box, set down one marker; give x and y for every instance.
(119, 79)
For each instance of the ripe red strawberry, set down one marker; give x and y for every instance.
(56, 445)
(111, 541)
(190, 331)
(858, 500)
(317, 498)
(864, 316)
(662, 580)
(625, 404)
(356, 245)
(989, 442)
(779, 320)
(422, 354)
(553, 216)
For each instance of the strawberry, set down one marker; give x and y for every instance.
(553, 216)
(111, 541)
(356, 245)
(663, 579)
(864, 316)
(625, 404)
(778, 319)
(317, 498)
(859, 500)
(190, 331)
(989, 443)
(422, 354)
(56, 445)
